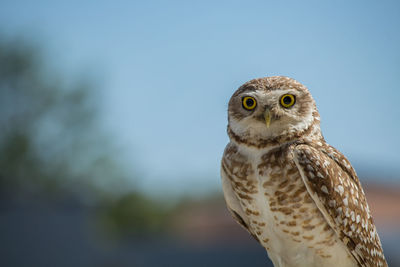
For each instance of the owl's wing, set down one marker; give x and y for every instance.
(232, 202)
(334, 186)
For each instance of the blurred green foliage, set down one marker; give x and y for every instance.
(135, 214)
(45, 126)
(51, 144)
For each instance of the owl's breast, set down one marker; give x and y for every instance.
(279, 210)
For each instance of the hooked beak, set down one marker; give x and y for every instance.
(267, 117)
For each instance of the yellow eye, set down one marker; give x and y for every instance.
(288, 100)
(249, 102)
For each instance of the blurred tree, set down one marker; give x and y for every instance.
(51, 144)
(49, 137)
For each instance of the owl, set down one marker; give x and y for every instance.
(299, 197)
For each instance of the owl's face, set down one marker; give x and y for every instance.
(270, 107)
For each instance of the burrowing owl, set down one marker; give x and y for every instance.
(297, 195)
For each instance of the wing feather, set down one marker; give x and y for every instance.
(233, 203)
(335, 188)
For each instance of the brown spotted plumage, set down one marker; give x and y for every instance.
(298, 196)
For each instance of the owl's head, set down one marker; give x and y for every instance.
(270, 108)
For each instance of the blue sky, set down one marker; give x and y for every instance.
(168, 68)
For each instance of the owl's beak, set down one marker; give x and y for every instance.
(267, 117)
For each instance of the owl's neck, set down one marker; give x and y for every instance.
(307, 135)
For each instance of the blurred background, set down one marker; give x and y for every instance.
(113, 121)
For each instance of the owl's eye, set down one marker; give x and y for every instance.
(288, 100)
(249, 102)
